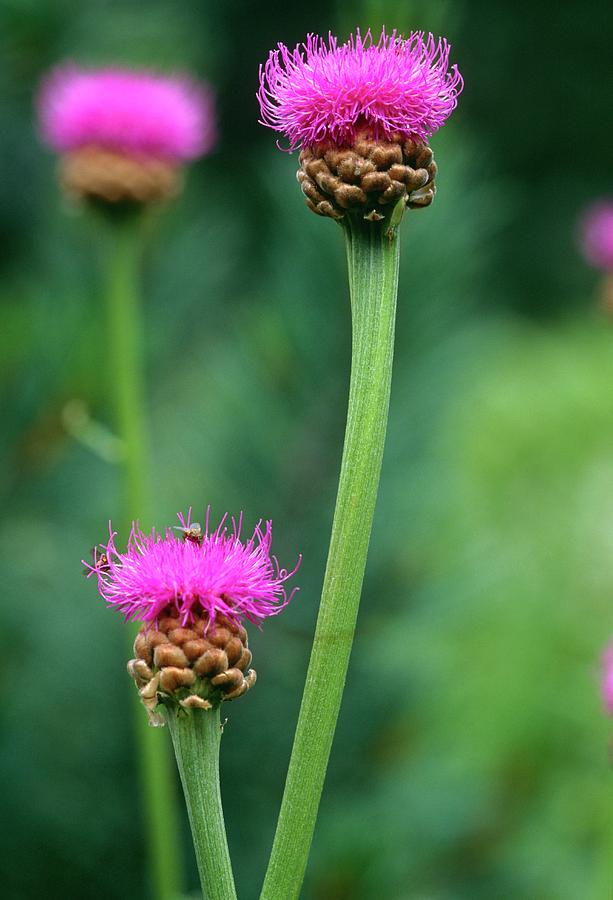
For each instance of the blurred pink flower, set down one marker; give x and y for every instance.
(322, 91)
(199, 571)
(607, 679)
(597, 235)
(136, 113)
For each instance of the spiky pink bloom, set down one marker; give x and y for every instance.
(137, 113)
(325, 91)
(195, 572)
(607, 679)
(597, 235)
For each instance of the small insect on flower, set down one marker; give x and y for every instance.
(193, 532)
(99, 562)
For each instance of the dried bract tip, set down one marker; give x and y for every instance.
(194, 702)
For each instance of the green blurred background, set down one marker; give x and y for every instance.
(471, 759)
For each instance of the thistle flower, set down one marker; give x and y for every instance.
(325, 92)
(596, 234)
(122, 134)
(194, 573)
(192, 590)
(607, 679)
(361, 112)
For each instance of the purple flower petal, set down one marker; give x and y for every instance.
(217, 575)
(132, 112)
(322, 91)
(597, 235)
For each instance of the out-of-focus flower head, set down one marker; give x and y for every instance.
(193, 574)
(123, 135)
(596, 235)
(607, 679)
(132, 112)
(329, 92)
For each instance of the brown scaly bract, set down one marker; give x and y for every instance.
(371, 176)
(192, 667)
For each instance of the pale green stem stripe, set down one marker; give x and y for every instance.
(125, 373)
(196, 737)
(372, 254)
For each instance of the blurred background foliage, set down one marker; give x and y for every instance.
(471, 759)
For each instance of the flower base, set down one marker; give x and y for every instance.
(195, 668)
(93, 173)
(371, 177)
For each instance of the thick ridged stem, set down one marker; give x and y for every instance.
(196, 736)
(160, 812)
(372, 254)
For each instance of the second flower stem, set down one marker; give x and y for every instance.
(125, 371)
(372, 255)
(126, 367)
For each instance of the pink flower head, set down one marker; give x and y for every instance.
(196, 572)
(597, 235)
(322, 91)
(137, 113)
(607, 679)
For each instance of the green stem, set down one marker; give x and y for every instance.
(372, 254)
(126, 363)
(156, 770)
(196, 736)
